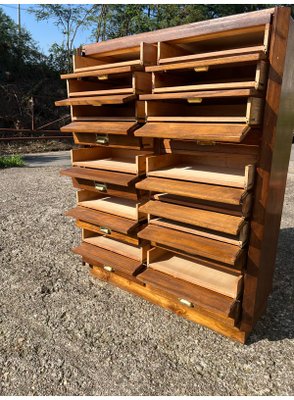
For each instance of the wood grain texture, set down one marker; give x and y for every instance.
(271, 170)
(96, 100)
(100, 176)
(195, 131)
(116, 223)
(99, 72)
(105, 127)
(203, 247)
(202, 94)
(205, 219)
(201, 191)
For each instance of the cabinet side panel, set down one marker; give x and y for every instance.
(271, 170)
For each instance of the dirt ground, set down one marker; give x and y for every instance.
(65, 333)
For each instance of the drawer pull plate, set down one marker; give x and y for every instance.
(108, 268)
(195, 100)
(186, 303)
(102, 77)
(102, 139)
(201, 69)
(100, 186)
(105, 230)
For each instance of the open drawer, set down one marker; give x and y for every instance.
(120, 142)
(219, 197)
(121, 207)
(224, 227)
(189, 244)
(191, 295)
(96, 100)
(225, 281)
(101, 128)
(245, 110)
(132, 111)
(225, 76)
(138, 253)
(108, 260)
(248, 40)
(105, 223)
(119, 160)
(220, 170)
(127, 83)
(136, 56)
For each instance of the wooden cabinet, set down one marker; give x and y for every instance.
(185, 136)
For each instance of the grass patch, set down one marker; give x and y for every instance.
(11, 161)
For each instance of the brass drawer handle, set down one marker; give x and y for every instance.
(102, 139)
(100, 186)
(105, 230)
(186, 303)
(108, 268)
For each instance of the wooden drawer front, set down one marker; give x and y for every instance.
(96, 100)
(117, 160)
(221, 169)
(188, 243)
(124, 208)
(137, 253)
(101, 177)
(234, 200)
(191, 295)
(100, 219)
(109, 261)
(227, 282)
(90, 230)
(132, 111)
(219, 77)
(216, 225)
(199, 109)
(136, 56)
(101, 128)
(108, 189)
(238, 42)
(234, 133)
(112, 84)
(120, 142)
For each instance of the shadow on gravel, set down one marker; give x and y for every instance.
(278, 323)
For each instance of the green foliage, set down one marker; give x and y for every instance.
(11, 161)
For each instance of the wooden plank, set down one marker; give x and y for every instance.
(107, 71)
(116, 223)
(100, 176)
(137, 253)
(120, 263)
(115, 141)
(225, 283)
(96, 100)
(207, 63)
(113, 205)
(104, 231)
(201, 94)
(204, 29)
(240, 240)
(201, 191)
(206, 86)
(203, 247)
(107, 127)
(211, 132)
(272, 169)
(212, 321)
(199, 296)
(214, 221)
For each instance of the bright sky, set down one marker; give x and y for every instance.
(44, 33)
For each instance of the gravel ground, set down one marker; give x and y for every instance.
(65, 333)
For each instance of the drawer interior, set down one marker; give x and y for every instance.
(107, 112)
(225, 171)
(114, 141)
(138, 253)
(224, 281)
(124, 208)
(237, 110)
(239, 41)
(247, 75)
(110, 159)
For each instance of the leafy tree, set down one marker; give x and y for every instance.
(70, 19)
